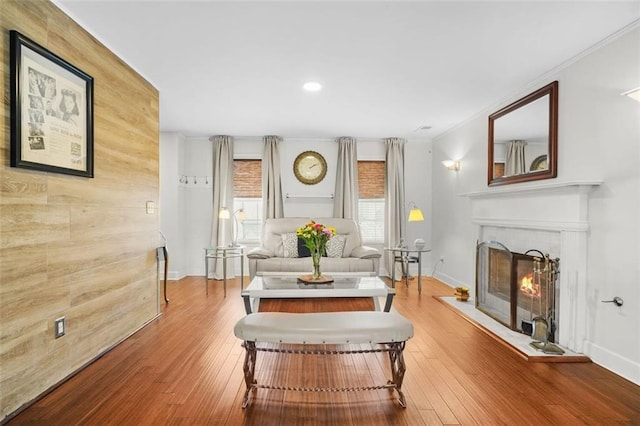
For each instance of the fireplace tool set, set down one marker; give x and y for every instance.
(545, 270)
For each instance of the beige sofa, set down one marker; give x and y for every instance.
(270, 257)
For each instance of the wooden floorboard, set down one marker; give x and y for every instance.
(185, 368)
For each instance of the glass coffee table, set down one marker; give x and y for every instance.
(288, 287)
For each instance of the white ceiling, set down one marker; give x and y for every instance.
(387, 68)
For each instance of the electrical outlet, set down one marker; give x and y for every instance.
(59, 327)
(151, 207)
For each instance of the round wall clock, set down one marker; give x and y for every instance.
(540, 163)
(310, 167)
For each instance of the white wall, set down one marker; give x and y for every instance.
(452, 229)
(171, 206)
(599, 134)
(192, 224)
(418, 188)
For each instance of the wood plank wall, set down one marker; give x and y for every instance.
(71, 246)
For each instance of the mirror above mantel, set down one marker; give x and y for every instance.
(523, 139)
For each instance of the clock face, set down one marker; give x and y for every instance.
(310, 167)
(540, 163)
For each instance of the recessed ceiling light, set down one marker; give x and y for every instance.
(312, 86)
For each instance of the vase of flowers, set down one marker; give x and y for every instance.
(315, 237)
(315, 258)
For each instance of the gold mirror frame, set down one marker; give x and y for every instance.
(550, 90)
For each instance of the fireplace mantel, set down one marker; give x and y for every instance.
(552, 217)
(547, 187)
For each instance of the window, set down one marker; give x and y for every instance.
(247, 191)
(371, 201)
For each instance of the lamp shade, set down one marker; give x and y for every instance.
(451, 165)
(415, 215)
(241, 215)
(224, 213)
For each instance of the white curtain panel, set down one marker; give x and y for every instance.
(394, 198)
(221, 229)
(345, 202)
(515, 162)
(273, 204)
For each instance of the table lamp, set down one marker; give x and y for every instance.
(415, 215)
(238, 215)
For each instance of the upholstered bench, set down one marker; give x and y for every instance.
(384, 331)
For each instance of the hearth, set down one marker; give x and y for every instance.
(518, 290)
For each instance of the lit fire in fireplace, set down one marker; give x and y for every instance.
(528, 287)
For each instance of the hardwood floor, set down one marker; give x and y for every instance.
(186, 368)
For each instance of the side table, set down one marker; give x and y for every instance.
(405, 257)
(223, 253)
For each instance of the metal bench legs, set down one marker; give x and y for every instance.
(396, 360)
(249, 371)
(398, 367)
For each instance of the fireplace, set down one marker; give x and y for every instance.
(517, 289)
(553, 218)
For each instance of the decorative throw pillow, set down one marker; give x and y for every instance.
(303, 251)
(290, 244)
(335, 245)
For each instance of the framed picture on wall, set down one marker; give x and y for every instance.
(51, 111)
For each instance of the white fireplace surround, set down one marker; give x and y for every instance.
(552, 218)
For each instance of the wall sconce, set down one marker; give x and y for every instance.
(633, 94)
(454, 166)
(238, 215)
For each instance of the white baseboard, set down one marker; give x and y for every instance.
(450, 281)
(175, 275)
(622, 366)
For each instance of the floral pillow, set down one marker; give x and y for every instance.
(335, 245)
(290, 244)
